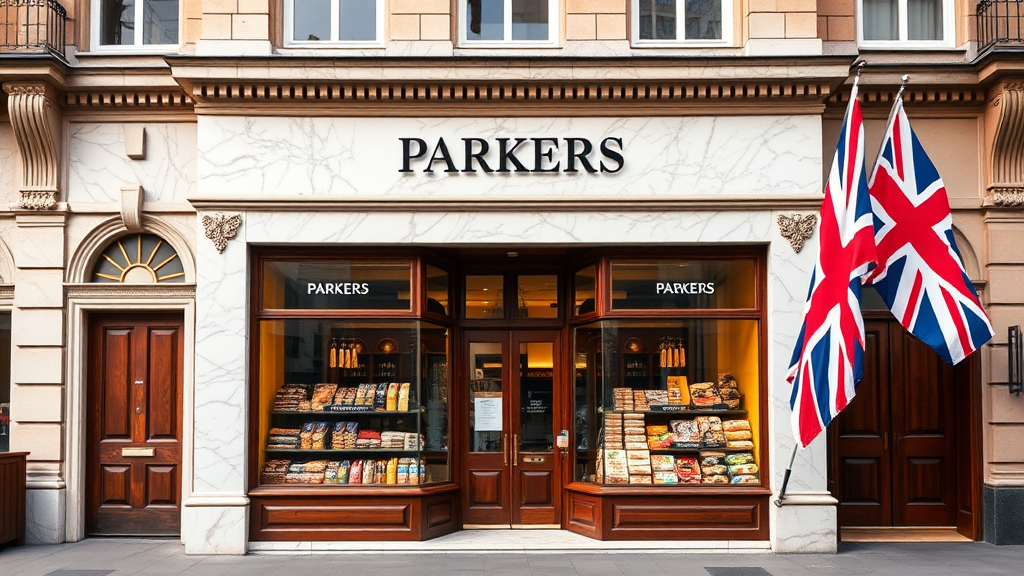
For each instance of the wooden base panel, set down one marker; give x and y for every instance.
(409, 516)
(667, 517)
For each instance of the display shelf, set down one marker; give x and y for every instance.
(691, 412)
(343, 451)
(697, 450)
(345, 413)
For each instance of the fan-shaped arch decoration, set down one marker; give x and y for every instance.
(138, 259)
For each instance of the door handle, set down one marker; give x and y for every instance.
(515, 449)
(504, 448)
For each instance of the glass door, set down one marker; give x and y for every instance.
(511, 475)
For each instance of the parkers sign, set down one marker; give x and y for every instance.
(506, 155)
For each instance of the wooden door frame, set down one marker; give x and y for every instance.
(509, 336)
(968, 450)
(84, 300)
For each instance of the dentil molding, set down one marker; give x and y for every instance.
(36, 123)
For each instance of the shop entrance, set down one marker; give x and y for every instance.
(133, 453)
(901, 452)
(512, 467)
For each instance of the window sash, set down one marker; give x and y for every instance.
(506, 38)
(680, 14)
(335, 21)
(138, 42)
(948, 28)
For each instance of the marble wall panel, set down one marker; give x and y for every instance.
(10, 162)
(98, 166)
(361, 157)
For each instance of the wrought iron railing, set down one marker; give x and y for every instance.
(1000, 22)
(32, 26)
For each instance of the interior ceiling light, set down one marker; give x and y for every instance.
(513, 254)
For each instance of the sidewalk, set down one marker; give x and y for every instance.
(117, 557)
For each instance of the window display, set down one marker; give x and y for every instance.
(668, 401)
(353, 402)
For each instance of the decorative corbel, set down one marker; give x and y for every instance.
(131, 208)
(36, 123)
(1006, 165)
(797, 228)
(220, 228)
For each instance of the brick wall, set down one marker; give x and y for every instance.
(836, 20)
(421, 20)
(235, 20)
(596, 20)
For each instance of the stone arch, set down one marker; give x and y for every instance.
(84, 259)
(7, 266)
(968, 255)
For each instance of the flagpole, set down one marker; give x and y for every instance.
(792, 457)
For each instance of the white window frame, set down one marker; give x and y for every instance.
(948, 30)
(95, 10)
(637, 42)
(289, 29)
(554, 29)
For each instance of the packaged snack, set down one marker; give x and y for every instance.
(392, 398)
(738, 435)
(739, 458)
(714, 470)
(403, 396)
(355, 475)
(736, 425)
(742, 444)
(306, 436)
(380, 397)
(687, 470)
(640, 479)
(369, 471)
(402, 471)
(343, 469)
(711, 433)
(715, 479)
(415, 472)
(745, 479)
(685, 434)
(659, 441)
(678, 390)
(742, 469)
(663, 477)
(656, 397)
(338, 435)
(656, 429)
(662, 462)
(712, 458)
(331, 473)
(728, 382)
(323, 394)
(731, 398)
(319, 434)
(615, 467)
(393, 471)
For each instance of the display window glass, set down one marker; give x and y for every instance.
(485, 296)
(683, 284)
(537, 296)
(337, 284)
(352, 402)
(437, 290)
(584, 293)
(668, 402)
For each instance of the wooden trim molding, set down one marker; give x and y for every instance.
(36, 123)
(1006, 164)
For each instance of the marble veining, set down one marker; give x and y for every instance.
(360, 158)
(44, 516)
(98, 166)
(10, 159)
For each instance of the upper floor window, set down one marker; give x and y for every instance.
(348, 22)
(674, 21)
(141, 24)
(523, 22)
(906, 23)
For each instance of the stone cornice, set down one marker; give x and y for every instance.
(169, 98)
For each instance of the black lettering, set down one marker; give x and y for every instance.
(581, 156)
(613, 155)
(509, 155)
(539, 154)
(477, 156)
(445, 156)
(408, 155)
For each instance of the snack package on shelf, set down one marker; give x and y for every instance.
(331, 473)
(392, 440)
(622, 399)
(656, 397)
(403, 396)
(306, 436)
(613, 431)
(729, 390)
(663, 463)
(678, 390)
(274, 471)
(392, 401)
(369, 471)
(665, 477)
(640, 403)
(736, 425)
(658, 437)
(640, 479)
(338, 435)
(392, 473)
(343, 471)
(704, 395)
(319, 436)
(687, 470)
(739, 458)
(361, 394)
(402, 471)
(685, 434)
(306, 472)
(380, 397)
(355, 474)
(284, 439)
(289, 396)
(711, 433)
(305, 406)
(638, 462)
(368, 439)
(323, 394)
(615, 467)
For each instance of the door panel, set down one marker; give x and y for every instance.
(535, 493)
(487, 498)
(133, 447)
(861, 471)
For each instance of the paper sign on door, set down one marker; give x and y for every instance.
(487, 412)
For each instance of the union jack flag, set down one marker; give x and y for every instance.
(827, 360)
(921, 274)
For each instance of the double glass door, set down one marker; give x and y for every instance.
(512, 474)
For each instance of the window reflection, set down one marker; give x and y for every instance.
(357, 21)
(312, 21)
(117, 22)
(703, 19)
(486, 20)
(529, 19)
(160, 22)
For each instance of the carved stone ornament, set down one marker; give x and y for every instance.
(36, 122)
(797, 228)
(220, 228)
(1008, 197)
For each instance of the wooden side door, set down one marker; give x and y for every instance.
(924, 435)
(134, 424)
(487, 493)
(536, 486)
(861, 465)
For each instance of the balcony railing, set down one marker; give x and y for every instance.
(32, 26)
(1000, 22)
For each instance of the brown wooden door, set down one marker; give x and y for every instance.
(894, 448)
(512, 473)
(133, 454)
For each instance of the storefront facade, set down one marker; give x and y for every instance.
(334, 262)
